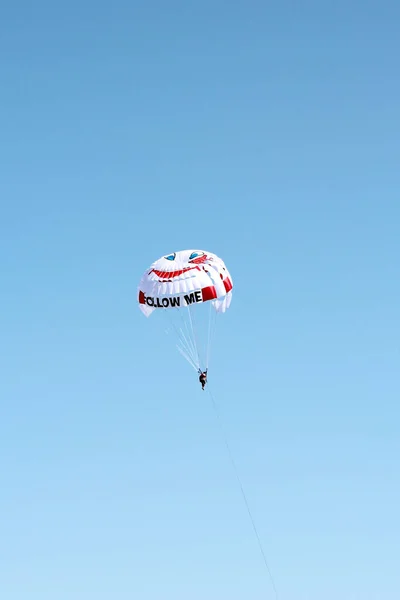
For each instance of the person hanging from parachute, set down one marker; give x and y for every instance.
(203, 378)
(180, 284)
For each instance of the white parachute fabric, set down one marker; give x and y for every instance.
(181, 284)
(184, 278)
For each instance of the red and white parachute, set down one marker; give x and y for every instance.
(180, 283)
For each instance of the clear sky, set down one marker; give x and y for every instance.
(268, 133)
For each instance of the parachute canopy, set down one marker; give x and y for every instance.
(181, 283)
(184, 278)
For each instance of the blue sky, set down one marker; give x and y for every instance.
(268, 134)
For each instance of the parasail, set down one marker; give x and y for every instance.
(191, 287)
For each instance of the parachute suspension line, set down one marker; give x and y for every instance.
(186, 347)
(194, 336)
(209, 336)
(188, 342)
(189, 336)
(183, 345)
(236, 472)
(212, 321)
(182, 351)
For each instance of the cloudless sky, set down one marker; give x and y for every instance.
(268, 133)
